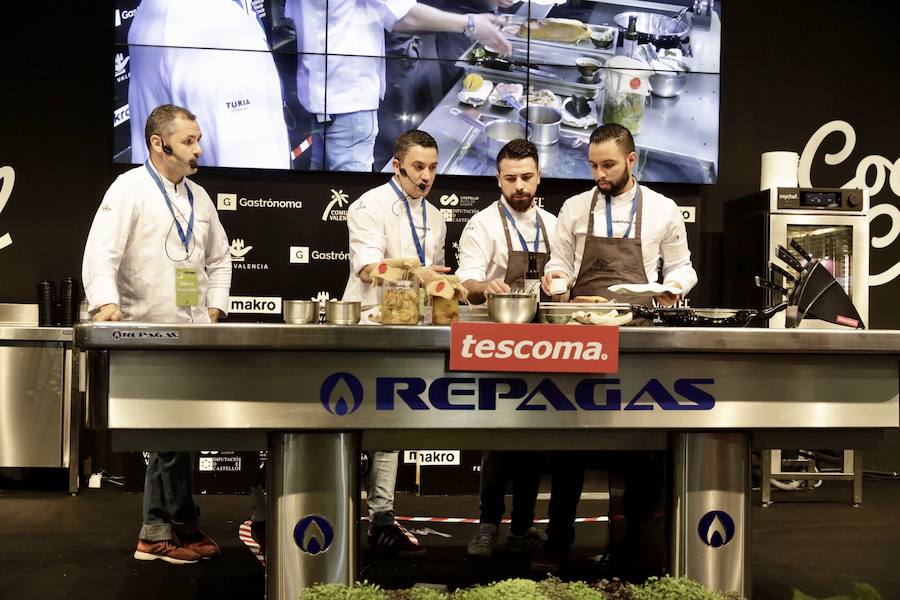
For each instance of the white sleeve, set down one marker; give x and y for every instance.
(105, 246)
(475, 253)
(676, 256)
(392, 11)
(367, 236)
(439, 257)
(218, 263)
(562, 245)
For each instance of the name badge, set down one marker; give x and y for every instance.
(187, 287)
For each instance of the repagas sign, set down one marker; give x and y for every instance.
(533, 348)
(7, 180)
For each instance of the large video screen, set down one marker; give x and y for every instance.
(328, 85)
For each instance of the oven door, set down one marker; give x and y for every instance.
(840, 242)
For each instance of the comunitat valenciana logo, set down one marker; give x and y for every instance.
(7, 181)
(335, 209)
(238, 251)
(121, 67)
(233, 201)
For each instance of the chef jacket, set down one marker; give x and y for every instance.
(483, 253)
(133, 250)
(355, 48)
(379, 228)
(663, 235)
(235, 93)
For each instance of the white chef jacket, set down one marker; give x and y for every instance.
(355, 48)
(662, 234)
(133, 249)
(379, 229)
(236, 94)
(483, 253)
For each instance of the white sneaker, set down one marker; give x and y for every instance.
(483, 543)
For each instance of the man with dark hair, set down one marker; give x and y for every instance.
(642, 226)
(395, 220)
(157, 253)
(495, 249)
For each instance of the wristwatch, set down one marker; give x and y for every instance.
(470, 27)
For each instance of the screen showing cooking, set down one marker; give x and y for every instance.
(329, 84)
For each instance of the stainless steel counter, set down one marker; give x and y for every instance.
(32, 333)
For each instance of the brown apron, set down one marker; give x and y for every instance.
(517, 265)
(609, 261)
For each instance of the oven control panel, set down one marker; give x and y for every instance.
(822, 199)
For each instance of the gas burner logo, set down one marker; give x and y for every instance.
(716, 528)
(341, 394)
(313, 534)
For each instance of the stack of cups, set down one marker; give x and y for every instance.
(68, 302)
(46, 296)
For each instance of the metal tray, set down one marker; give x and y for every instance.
(584, 47)
(561, 309)
(543, 70)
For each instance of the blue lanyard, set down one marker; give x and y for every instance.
(537, 229)
(609, 232)
(420, 246)
(185, 238)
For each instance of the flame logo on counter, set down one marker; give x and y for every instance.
(341, 394)
(313, 534)
(716, 528)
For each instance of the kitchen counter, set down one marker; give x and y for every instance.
(33, 333)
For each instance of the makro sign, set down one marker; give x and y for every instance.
(533, 348)
(342, 394)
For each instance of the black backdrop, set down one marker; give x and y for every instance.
(788, 69)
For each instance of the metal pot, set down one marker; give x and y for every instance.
(707, 317)
(342, 313)
(544, 123)
(497, 132)
(656, 29)
(668, 84)
(511, 308)
(299, 312)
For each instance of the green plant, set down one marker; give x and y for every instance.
(361, 590)
(675, 588)
(861, 591)
(520, 589)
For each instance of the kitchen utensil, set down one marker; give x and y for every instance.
(788, 258)
(501, 64)
(342, 313)
(544, 123)
(765, 283)
(497, 132)
(668, 84)
(820, 296)
(587, 66)
(602, 39)
(775, 268)
(706, 317)
(299, 312)
(660, 30)
(801, 250)
(512, 308)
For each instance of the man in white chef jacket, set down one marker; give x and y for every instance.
(156, 252)
(495, 250)
(395, 220)
(347, 120)
(612, 234)
(213, 56)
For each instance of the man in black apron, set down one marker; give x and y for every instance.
(491, 263)
(635, 227)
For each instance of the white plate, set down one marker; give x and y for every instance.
(643, 290)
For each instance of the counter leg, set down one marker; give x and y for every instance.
(711, 510)
(312, 511)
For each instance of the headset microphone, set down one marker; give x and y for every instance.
(167, 149)
(421, 186)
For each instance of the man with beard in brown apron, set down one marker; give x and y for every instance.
(613, 234)
(495, 251)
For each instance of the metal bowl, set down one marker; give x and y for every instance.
(299, 312)
(342, 313)
(587, 66)
(511, 308)
(557, 318)
(603, 39)
(668, 84)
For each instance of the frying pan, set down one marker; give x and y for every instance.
(707, 317)
(497, 132)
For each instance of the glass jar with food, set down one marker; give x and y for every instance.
(625, 109)
(400, 302)
(444, 310)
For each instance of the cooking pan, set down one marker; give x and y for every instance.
(656, 29)
(543, 121)
(497, 132)
(707, 317)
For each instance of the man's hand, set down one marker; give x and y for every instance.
(495, 286)
(214, 314)
(429, 272)
(108, 312)
(546, 279)
(487, 33)
(667, 299)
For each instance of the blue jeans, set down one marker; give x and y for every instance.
(168, 499)
(382, 481)
(346, 143)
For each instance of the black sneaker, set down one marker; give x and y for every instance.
(549, 558)
(395, 539)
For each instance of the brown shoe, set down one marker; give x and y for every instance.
(165, 550)
(199, 543)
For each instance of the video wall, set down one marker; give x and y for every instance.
(327, 85)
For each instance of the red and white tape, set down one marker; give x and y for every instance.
(246, 536)
(303, 147)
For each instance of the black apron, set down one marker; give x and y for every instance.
(609, 261)
(517, 265)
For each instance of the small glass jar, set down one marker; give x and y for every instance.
(443, 310)
(625, 109)
(400, 302)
